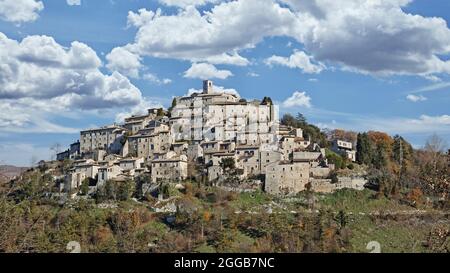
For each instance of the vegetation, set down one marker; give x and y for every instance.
(310, 131)
(210, 219)
(406, 208)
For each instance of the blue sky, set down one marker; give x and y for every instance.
(351, 64)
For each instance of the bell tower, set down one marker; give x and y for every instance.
(207, 87)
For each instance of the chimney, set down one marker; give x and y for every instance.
(207, 87)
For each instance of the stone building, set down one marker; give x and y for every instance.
(137, 122)
(173, 169)
(215, 116)
(108, 138)
(81, 170)
(285, 177)
(106, 173)
(147, 145)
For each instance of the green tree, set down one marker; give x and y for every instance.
(267, 101)
(288, 120)
(160, 112)
(301, 120)
(363, 149)
(84, 188)
(228, 164)
(125, 190)
(381, 158)
(335, 159)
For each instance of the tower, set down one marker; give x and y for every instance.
(207, 87)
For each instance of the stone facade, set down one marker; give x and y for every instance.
(174, 169)
(205, 128)
(107, 138)
(283, 178)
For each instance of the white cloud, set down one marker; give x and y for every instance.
(122, 60)
(154, 78)
(217, 89)
(20, 11)
(73, 2)
(298, 60)
(429, 120)
(375, 37)
(425, 124)
(138, 109)
(252, 74)
(372, 37)
(142, 17)
(39, 77)
(186, 3)
(212, 36)
(206, 71)
(298, 99)
(415, 98)
(433, 87)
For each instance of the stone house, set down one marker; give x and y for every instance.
(174, 169)
(106, 173)
(106, 138)
(285, 177)
(79, 172)
(137, 122)
(130, 164)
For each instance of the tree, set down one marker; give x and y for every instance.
(434, 170)
(363, 149)
(160, 112)
(288, 120)
(380, 159)
(267, 101)
(435, 144)
(301, 120)
(56, 149)
(343, 135)
(228, 164)
(174, 104)
(84, 188)
(125, 190)
(335, 159)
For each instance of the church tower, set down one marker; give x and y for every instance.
(207, 87)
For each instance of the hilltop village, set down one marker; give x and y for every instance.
(209, 136)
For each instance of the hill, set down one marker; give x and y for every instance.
(8, 172)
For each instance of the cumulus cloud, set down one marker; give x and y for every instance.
(374, 37)
(206, 71)
(217, 89)
(186, 3)
(211, 37)
(415, 98)
(142, 17)
(298, 60)
(371, 37)
(39, 77)
(20, 11)
(138, 109)
(122, 60)
(73, 2)
(298, 99)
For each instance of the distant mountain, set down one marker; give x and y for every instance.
(8, 172)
